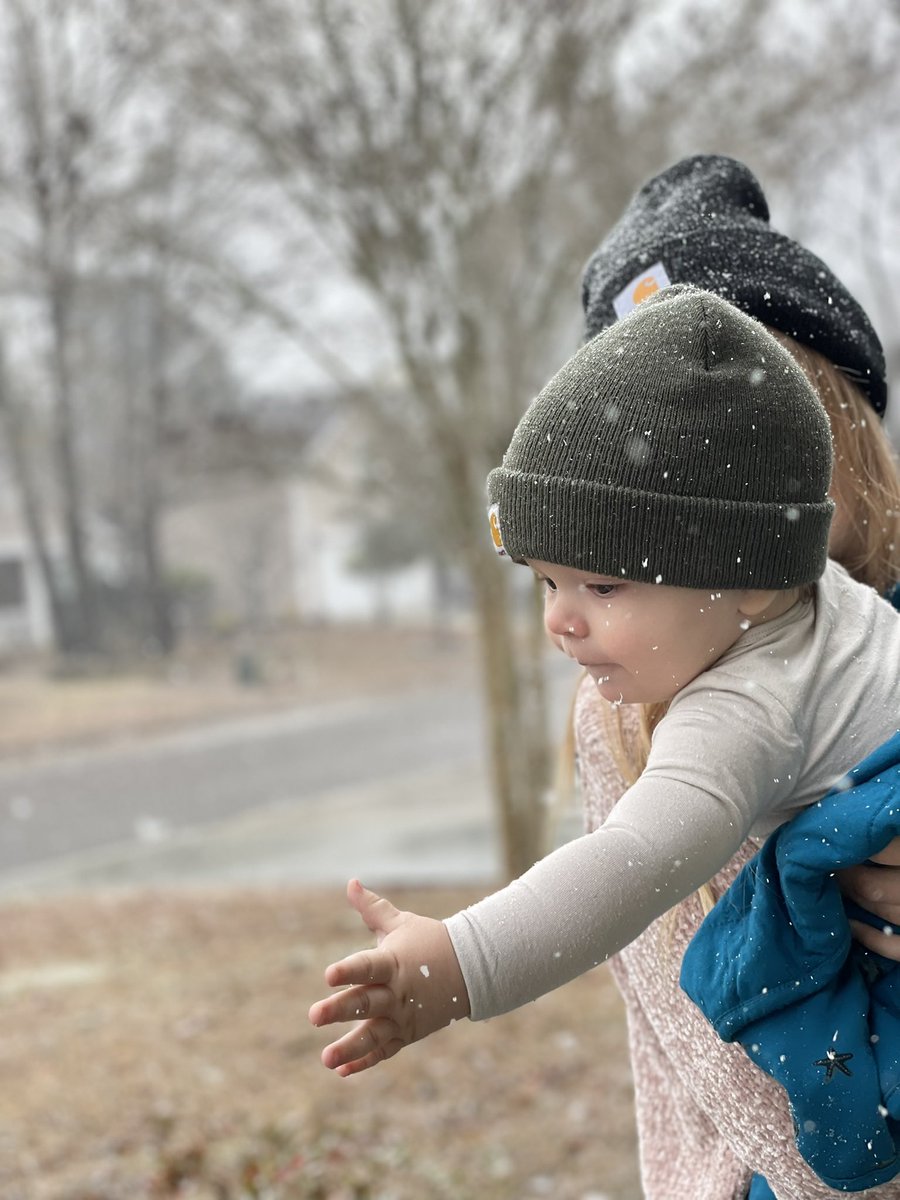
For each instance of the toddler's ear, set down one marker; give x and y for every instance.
(754, 602)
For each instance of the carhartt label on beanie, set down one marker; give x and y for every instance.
(705, 221)
(683, 445)
(496, 531)
(644, 284)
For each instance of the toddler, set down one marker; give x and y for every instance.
(670, 486)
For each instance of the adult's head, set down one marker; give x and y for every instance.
(705, 221)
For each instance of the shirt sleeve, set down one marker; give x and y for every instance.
(707, 781)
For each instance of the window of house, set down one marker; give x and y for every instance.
(12, 583)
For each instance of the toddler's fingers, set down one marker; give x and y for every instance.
(369, 1044)
(364, 967)
(379, 914)
(354, 1004)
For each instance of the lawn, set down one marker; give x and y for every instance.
(156, 1045)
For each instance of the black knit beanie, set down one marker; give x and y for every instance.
(705, 221)
(682, 446)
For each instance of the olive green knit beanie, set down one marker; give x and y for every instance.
(682, 445)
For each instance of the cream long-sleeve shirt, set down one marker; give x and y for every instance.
(767, 730)
(708, 1118)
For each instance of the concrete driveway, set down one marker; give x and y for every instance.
(391, 789)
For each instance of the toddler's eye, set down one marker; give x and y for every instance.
(603, 590)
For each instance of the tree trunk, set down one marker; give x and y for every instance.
(87, 634)
(157, 601)
(157, 598)
(515, 689)
(32, 511)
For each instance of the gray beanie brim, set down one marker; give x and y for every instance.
(636, 535)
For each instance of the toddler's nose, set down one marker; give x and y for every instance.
(562, 620)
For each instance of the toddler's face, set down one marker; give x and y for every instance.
(642, 642)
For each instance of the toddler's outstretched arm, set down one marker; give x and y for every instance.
(407, 988)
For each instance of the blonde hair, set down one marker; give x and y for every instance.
(866, 478)
(866, 487)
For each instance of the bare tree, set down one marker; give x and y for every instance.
(87, 175)
(437, 152)
(149, 383)
(457, 163)
(61, 100)
(21, 459)
(43, 178)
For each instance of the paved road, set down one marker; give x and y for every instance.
(392, 789)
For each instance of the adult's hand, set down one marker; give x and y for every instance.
(875, 886)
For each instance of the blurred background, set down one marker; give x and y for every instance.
(278, 279)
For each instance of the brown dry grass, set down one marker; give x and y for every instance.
(156, 1046)
(40, 710)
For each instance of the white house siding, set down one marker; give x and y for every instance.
(24, 621)
(326, 588)
(235, 539)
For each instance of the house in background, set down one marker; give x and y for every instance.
(270, 523)
(328, 510)
(263, 524)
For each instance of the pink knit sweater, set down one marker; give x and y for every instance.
(707, 1117)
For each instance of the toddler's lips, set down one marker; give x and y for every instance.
(600, 671)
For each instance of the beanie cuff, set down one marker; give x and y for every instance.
(680, 541)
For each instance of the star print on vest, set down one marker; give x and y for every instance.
(834, 1062)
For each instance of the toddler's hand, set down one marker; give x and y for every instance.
(407, 988)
